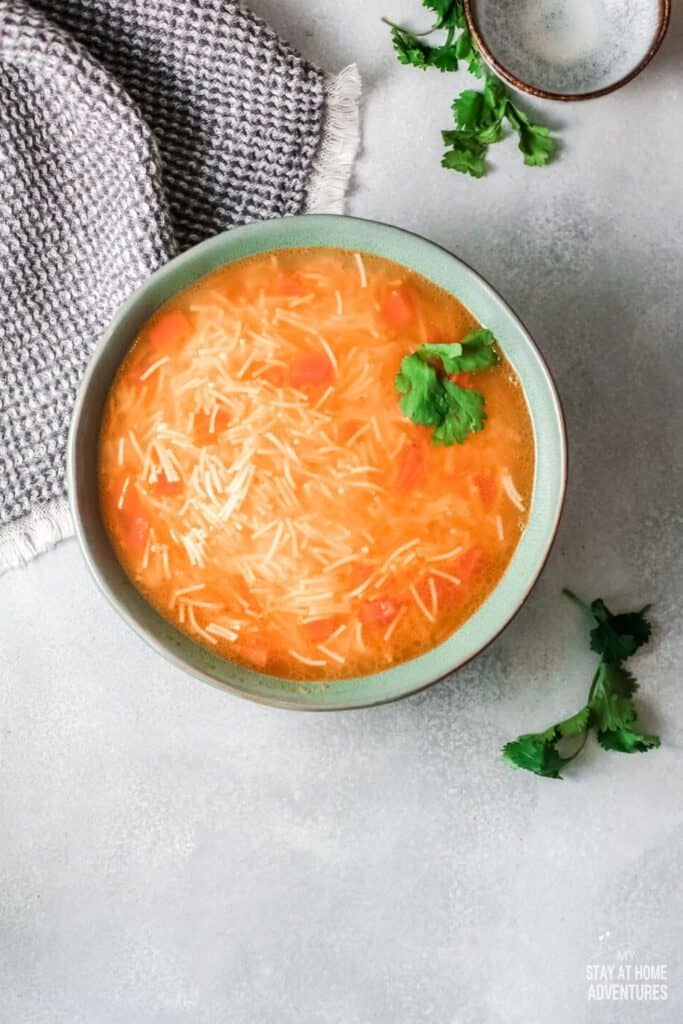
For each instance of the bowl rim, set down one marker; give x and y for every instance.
(176, 658)
(565, 97)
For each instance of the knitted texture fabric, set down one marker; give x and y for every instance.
(129, 130)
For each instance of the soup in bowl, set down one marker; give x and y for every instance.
(317, 461)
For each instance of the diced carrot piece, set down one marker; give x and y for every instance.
(135, 373)
(397, 308)
(114, 484)
(137, 530)
(410, 467)
(320, 629)
(254, 652)
(170, 329)
(275, 375)
(166, 488)
(288, 284)
(311, 371)
(379, 612)
(487, 485)
(468, 564)
(463, 380)
(446, 590)
(202, 426)
(134, 522)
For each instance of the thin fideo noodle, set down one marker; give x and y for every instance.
(263, 489)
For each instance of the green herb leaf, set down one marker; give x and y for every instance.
(534, 753)
(537, 751)
(497, 96)
(479, 115)
(610, 700)
(409, 49)
(469, 110)
(476, 351)
(434, 401)
(613, 712)
(468, 154)
(494, 133)
(449, 13)
(537, 145)
(423, 401)
(466, 51)
(445, 58)
(626, 741)
(478, 108)
(535, 140)
(466, 415)
(574, 726)
(617, 637)
(430, 399)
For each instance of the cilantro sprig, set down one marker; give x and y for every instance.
(431, 399)
(615, 637)
(481, 116)
(610, 708)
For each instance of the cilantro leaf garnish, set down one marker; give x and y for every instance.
(613, 712)
(476, 351)
(467, 154)
(423, 401)
(431, 399)
(469, 110)
(535, 141)
(536, 753)
(411, 50)
(610, 709)
(467, 51)
(449, 13)
(610, 701)
(574, 726)
(626, 741)
(466, 415)
(481, 116)
(615, 637)
(445, 58)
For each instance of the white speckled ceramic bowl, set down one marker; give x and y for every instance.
(438, 266)
(568, 50)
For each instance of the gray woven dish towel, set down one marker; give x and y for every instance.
(130, 129)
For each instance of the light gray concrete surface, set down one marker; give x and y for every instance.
(171, 854)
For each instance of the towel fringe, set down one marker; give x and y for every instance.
(39, 531)
(339, 145)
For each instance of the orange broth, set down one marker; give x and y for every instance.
(263, 489)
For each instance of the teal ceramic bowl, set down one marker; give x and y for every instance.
(438, 266)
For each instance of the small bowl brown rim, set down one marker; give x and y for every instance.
(565, 97)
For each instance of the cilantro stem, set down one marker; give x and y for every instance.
(578, 749)
(599, 672)
(577, 600)
(416, 35)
